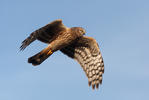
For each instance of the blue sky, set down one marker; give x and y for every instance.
(121, 27)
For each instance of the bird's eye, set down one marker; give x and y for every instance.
(80, 31)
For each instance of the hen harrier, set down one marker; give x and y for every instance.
(71, 42)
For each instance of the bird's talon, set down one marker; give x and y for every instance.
(49, 52)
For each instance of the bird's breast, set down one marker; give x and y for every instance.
(62, 41)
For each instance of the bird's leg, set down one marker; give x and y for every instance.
(49, 52)
(41, 56)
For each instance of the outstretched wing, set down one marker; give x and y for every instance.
(45, 34)
(86, 52)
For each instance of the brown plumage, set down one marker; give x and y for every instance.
(71, 42)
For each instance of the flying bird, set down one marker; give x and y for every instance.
(71, 42)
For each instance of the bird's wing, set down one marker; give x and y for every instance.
(44, 34)
(86, 52)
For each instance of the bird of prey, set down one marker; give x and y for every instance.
(71, 42)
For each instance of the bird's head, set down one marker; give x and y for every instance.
(79, 31)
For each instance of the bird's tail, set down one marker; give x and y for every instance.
(40, 57)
